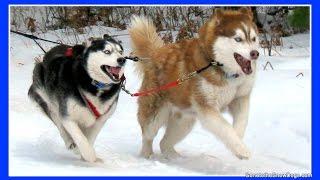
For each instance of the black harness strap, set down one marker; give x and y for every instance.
(39, 46)
(34, 38)
(212, 63)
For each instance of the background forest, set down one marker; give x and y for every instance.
(174, 22)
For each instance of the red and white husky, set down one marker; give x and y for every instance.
(229, 37)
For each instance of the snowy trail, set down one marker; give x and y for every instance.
(278, 134)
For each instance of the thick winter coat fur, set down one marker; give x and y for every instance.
(229, 37)
(62, 86)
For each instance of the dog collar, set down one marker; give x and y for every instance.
(227, 75)
(231, 76)
(101, 87)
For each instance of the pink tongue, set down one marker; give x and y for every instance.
(115, 70)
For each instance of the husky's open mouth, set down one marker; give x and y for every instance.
(112, 72)
(244, 63)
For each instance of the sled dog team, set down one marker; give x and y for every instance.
(78, 87)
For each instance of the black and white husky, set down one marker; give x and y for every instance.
(78, 89)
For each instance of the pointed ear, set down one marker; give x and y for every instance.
(88, 42)
(217, 16)
(78, 50)
(209, 26)
(106, 36)
(247, 11)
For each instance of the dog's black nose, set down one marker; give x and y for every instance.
(121, 61)
(254, 54)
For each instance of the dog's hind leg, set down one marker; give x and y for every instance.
(146, 150)
(34, 95)
(150, 124)
(149, 131)
(86, 150)
(68, 141)
(178, 127)
(40, 98)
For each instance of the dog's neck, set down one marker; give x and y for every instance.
(101, 87)
(209, 58)
(95, 88)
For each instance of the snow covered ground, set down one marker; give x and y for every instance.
(278, 134)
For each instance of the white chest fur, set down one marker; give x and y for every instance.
(221, 96)
(84, 116)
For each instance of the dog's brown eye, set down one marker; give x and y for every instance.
(107, 52)
(121, 52)
(238, 39)
(254, 39)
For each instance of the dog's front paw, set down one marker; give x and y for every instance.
(91, 159)
(88, 155)
(242, 152)
(170, 155)
(169, 152)
(146, 154)
(146, 151)
(97, 160)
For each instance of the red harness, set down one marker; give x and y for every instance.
(93, 108)
(69, 52)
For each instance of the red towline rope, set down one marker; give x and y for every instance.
(155, 90)
(149, 91)
(171, 84)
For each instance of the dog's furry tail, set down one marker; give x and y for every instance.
(144, 40)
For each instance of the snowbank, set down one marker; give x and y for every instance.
(279, 130)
